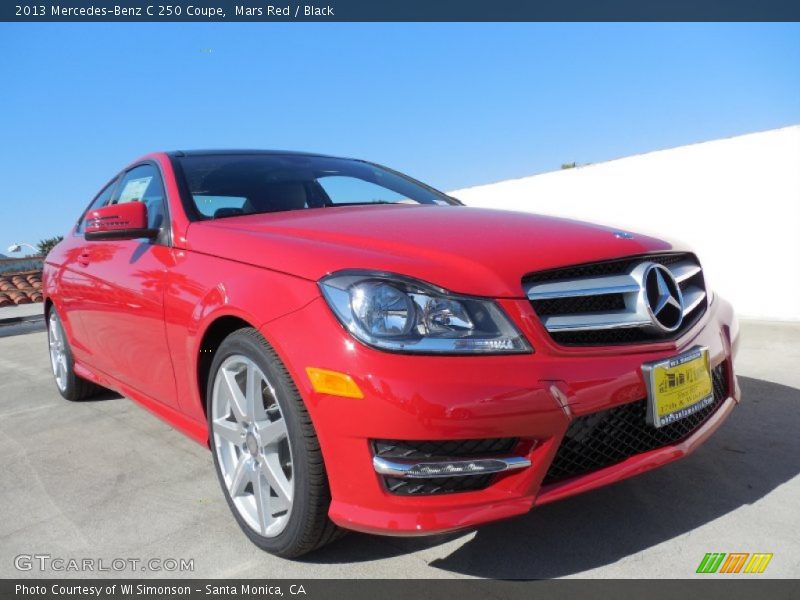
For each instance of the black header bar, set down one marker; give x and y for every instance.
(399, 10)
(398, 589)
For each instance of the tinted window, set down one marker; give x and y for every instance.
(351, 190)
(101, 199)
(237, 184)
(209, 206)
(143, 184)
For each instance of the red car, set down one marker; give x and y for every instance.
(362, 352)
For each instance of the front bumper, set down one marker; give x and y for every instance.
(533, 397)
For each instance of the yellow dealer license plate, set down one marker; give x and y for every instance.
(678, 387)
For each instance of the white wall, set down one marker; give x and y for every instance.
(735, 201)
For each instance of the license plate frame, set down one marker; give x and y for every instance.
(670, 399)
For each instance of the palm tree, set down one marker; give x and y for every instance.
(44, 246)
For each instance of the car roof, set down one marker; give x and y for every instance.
(244, 152)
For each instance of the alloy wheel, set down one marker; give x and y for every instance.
(252, 445)
(58, 353)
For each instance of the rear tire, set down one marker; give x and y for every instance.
(69, 385)
(266, 452)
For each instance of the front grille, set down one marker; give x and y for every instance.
(443, 448)
(437, 485)
(607, 267)
(610, 436)
(595, 304)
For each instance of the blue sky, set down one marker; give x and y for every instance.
(451, 104)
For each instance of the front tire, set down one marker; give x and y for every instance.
(69, 385)
(265, 449)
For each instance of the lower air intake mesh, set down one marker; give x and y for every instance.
(610, 436)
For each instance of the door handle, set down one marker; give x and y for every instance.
(83, 258)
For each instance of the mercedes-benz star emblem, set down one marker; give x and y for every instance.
(663, 297)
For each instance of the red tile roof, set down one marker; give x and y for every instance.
(20, 288)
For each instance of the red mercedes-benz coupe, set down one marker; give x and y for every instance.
(360, 351)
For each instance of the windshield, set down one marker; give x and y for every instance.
(226, 185)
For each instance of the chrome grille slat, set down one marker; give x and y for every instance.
(608, 302)
(594, 321)
(685, 270)
(692, 298)
(585, 286)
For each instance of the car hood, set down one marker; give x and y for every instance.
(468, 250)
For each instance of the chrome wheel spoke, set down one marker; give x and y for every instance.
(240, 478)
(229, 431)
(272, 432)
(280, 505)
(251, 388)
(272, 471)
(263, 505)
(238, 402)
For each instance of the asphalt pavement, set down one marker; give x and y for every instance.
(105, 479)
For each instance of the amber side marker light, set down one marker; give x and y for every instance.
(333, 383)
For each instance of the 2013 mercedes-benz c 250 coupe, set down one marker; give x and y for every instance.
(360, 351)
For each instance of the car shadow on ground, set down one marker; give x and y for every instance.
(103, 396)
(756, 450)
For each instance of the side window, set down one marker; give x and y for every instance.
(101, 199)
(143, 184)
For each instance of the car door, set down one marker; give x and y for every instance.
(123, 315)
(76, 288)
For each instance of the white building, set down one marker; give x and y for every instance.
(735, 201)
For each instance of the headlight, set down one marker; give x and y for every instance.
(396, 313)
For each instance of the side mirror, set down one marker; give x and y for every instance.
(126, 221)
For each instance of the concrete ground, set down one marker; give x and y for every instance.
(27, 318)
(105, 479)
(21, 312)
